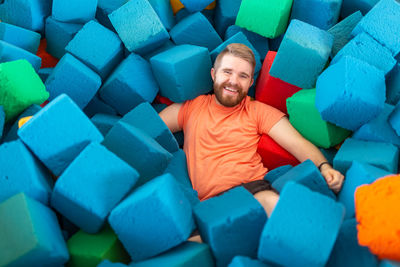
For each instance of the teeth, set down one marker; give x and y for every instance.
(229, 89)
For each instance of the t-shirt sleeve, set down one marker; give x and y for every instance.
(183, 114)
(267, 117)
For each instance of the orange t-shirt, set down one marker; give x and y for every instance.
(221, 142)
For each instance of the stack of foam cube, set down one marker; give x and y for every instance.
(95, 177)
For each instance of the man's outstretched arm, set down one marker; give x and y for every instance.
(291, 140)
(170, 117)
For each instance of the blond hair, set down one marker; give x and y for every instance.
(238, 50)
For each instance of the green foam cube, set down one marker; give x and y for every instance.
(305, 117)
(20, 87)
(268, 18)
(91, 249)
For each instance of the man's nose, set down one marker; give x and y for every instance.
(233, 79)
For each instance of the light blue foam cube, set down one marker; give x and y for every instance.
(139, 26)
(274, 174)
(393, 85)
(225, 14)
(21, 37)
(58, 133)
(9, 52)
(74, 11)
(183, 72)
(105, 8)
(164, 11)
(231, 224)
(243, 261)
(301, 233)
(350, 93)
(302, 55)
(153, 219)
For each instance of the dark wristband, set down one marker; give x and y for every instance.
(322, 164)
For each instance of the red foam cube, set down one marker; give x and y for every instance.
(270, 90)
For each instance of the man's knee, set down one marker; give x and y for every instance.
(268, 199)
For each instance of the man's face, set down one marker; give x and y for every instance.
(232, 80)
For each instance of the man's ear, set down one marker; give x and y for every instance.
(213, 74)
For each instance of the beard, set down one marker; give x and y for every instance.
(228, 100)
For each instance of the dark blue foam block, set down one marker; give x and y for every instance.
(347, 251)
(351, 6)
(147, 119)
(306, 174)
(342, 31)
(302, 55)
(394, 119)
(22, 172)
(73, 78)
(388, 263)
(44, 73)
(124, 91)
(183, 72)
(365, 48)
(301, 233)
(225, 14)
(153, 219)
(11, 133)
(379, 129)
(387, 31)
(358, 174)
(58, 35)
(2, 120)
(164, 11)
(196, 5)
(231, 224)
(393, 85)
(275, 42)
(195, 29)
(9, 52)
(93, 40)
(378, 154)
(92, 185)
(28, 14)
(21, 37)
(167, 45)
(322, 14)
(188, 254)
(259, 42)
(237, 38)
(350, 93)
(274, 174)
(138, 149)
(74, 11)
(105, 8)
(58, 133)
(96, 105)
(104, 122)
(31, 234)
(139, 26)
(107, 263)
(242, 261)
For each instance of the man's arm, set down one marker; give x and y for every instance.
(170, 117)
(291, 140)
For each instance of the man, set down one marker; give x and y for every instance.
(222, 132)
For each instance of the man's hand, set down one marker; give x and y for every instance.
(333, 178)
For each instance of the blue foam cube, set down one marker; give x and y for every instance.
(388, 263)
(274, 174)
(58, 133)
(243, 261)
(73, 78)
(105, 8)
(2, 120)
(107, 263)
(97, 105)
(58, 35)
(379, 129)
(365, 48)
(393, 85)
(301, 233)
(231, 224)
(237, 38)
(153, 219)
(92, 185)
(195, 29)
(92, 41)
(306, 174)
(302, 55)
(9, 52)
(124, 91)
(342, 31)
(18, 36)
(347, 251)
(358, 174)
(138, 149)
(195, 5)
(22, 172)
(183, 72)
(387, 31)
(44, 73)
(74, 11)
(30, 234)
(139, 26)
(394, 119)
(225, 14)
(188, 254)
(167, 45)
(378, 154)
(350, 93)
(164, 11)
(28, 14)
(147, 119)
(104, 122)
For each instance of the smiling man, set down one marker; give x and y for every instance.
(222, 132)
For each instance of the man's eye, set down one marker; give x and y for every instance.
(244, 76)
(227, 71)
